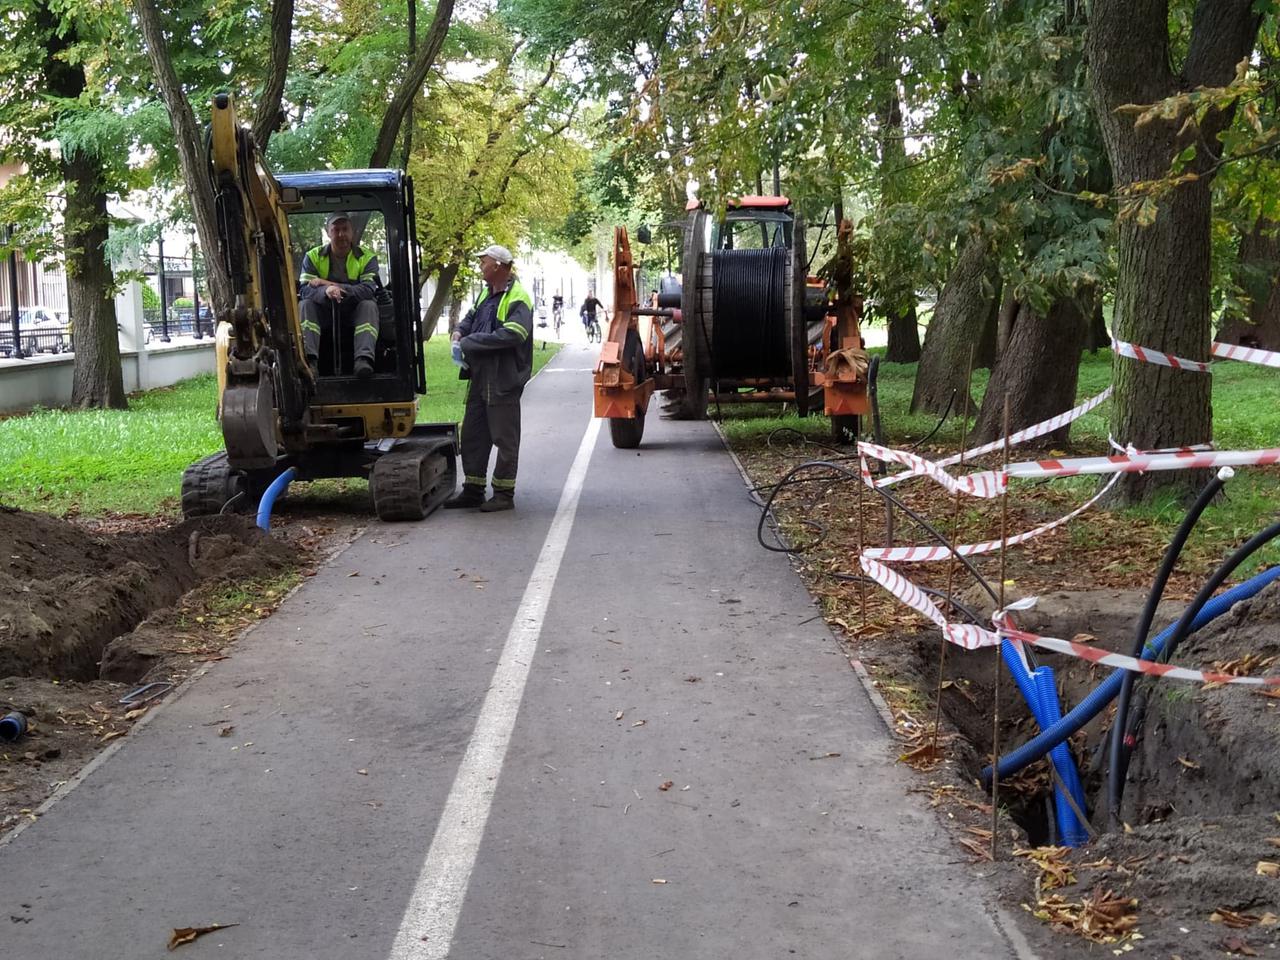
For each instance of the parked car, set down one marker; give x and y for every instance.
(41, 330)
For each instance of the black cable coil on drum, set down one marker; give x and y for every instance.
(749, 318)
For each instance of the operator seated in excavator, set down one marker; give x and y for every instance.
(336, 290)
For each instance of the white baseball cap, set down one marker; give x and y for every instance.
(496, 252)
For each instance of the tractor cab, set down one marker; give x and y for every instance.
(755, 223)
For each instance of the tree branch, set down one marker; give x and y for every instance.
(412, 83)
(268, 117)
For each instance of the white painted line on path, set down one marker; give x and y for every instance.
(426, 930)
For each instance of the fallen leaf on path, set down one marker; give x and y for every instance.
(658, 880)
(111, 735)
(1268, 868)
(363, 773)
(354, 573)
(618, 716)
(1102, 917)
(183, 935)
(640, 723)
(227, 730)
(666, 785)
(1236, 945)
(824, 756)
(1189, 764)
(1230, 918)
(135, 714)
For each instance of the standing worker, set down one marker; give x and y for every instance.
(339, 278)
(494, 345)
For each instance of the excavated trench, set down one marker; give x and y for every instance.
(69, 598)
(1203, 753)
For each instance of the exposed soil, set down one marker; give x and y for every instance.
(1189, 873)
(92, 610)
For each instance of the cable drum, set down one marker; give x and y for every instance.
(749, 329)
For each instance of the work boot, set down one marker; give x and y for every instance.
(470, 498)
(363, 368)
(499, 501)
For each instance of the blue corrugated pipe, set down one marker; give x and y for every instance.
(269, 498)
(1041, 694)
(1071, 830)
(1105, 692)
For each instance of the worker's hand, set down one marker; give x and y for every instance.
(334, 292)
(318, 282)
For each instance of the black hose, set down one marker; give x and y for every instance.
(1115, 786)
(857, 478)
(1183, 626)
(945, 413)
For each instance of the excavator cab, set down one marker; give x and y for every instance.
(277, 412)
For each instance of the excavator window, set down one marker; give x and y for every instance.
(337, 345)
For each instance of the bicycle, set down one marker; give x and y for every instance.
(594, 334)
(557, 318)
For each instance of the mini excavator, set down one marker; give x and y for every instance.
(278, 412)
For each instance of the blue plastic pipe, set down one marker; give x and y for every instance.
(1071, 831)
(269, 498)
(1105, 692)
(1041, 694)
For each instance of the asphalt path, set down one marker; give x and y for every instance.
(607, 724)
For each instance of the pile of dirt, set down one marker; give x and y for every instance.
(66, 592)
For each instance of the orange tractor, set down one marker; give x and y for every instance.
(747, 324)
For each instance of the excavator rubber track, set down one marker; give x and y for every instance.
(412, 480)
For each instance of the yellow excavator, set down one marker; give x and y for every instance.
(280, 413)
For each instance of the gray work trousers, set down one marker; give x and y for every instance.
(318, 320)
(486, 425)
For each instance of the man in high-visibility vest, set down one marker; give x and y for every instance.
(340, 279)
(493, 345)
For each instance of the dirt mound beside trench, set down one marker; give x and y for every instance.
(67, 592)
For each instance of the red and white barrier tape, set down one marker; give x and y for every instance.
(990, 484)
(1226, 351)
(972, 637)
(1245, 354)
(1131, 463)
(1115, 444)
(1147, 355)
(1084, 651)
(1027, 433)
(923, 554)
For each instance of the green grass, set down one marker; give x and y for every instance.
(93, 462)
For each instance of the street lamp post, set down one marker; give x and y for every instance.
(13, 295)
(195, 284)
(164, 303)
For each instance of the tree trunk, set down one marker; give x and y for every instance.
(904, 337)
(96, 379)
(950, 342)
(1162, 289)
(1098, 335)
(189, 139)
(1004, 325)
(455, 312)
(1037, 372)
(986, 355)
(444, 284)
(1260, 257)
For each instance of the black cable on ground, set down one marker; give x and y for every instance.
(945, 413)
(1115, 786)
(857, 478)
(1183, 626)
